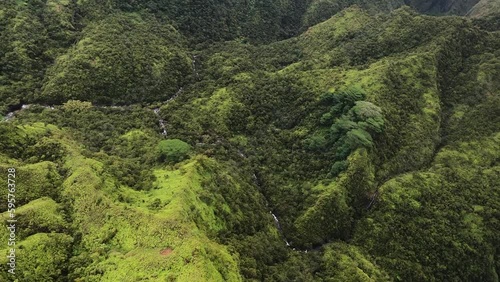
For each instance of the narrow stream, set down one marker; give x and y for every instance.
(10, 115)
(157, 112)
(195, 72)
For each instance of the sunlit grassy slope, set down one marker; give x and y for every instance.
(156, 235)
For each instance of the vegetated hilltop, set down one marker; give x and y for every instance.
(442, 7)
(373, 136)
(485, 8)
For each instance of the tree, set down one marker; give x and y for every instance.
(173, 150)
(77, 105)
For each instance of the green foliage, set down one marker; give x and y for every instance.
(352, 123)
(13, 141)
(42, 215)
(202, 21)
(121, 59)
(172, 150)
(439, 217)
(343, 262)
(392, 180)
(315, 143)
(299, 266)
(321, 10)
(104, 128)
(132, 172)
(32, 35)
(485, 8)
(41, 257)
(131, 159)
(46, 149)
(329, 218)
(76, 105)
(34, 181)
(173, 245)
(338, 204)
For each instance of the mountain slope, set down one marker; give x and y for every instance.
(485, 8)
(364, 148)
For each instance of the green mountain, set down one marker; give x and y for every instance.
(250, 140)
(441, 7)
(485, 8)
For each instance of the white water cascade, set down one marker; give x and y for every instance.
(161, 122)
(157, 112)
(10, 115)
(195, 72)
(278, 226)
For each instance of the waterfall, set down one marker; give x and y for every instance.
(8, 116)
(278, 226)
(195, 72)
(175, 95)
(11, 115)
(157, 112)
(276, 220)
(240, 153)
(161, 122)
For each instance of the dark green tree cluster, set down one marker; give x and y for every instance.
(216, 20)
(32, 35)
(440, 223)
(322, 10)
(352, 124)
(122, 59)
(173, 150)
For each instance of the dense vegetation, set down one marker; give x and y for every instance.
(162, 138)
